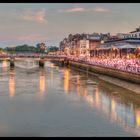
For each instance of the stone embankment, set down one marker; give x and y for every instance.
(120, 78)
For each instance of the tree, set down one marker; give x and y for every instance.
(40, 47)
(1, 50)
(21, 48)
(52, 49)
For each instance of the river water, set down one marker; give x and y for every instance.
(58, 101)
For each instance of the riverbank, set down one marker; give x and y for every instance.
(126, 80)
(127, 85)
(116, 81)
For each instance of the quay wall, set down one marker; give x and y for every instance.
(128, 76)
(123, 75)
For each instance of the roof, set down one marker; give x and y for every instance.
(124, 39)
(133, 31)
(93, 37)
(137, 30)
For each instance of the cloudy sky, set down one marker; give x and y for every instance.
(32, 23)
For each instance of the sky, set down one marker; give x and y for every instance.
(32, 23)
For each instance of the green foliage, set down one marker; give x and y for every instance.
(1, 49)
(21, 48)
(40, 48)
(52, 49)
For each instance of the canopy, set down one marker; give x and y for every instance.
(127, 46)
(119, 46)
(133, 41)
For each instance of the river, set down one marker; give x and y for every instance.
(58, 101)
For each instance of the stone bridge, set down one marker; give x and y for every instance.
(30, 56)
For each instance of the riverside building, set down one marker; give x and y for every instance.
(122, 46)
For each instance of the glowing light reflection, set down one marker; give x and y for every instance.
(66, 80)
(42, 82)
(11, 84)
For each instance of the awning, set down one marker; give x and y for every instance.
(118, 46)
(123, 46)
(133, 41)
(127, 46)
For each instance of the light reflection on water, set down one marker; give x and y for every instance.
(118, 112)
(117, 108)
(66, 80)
(11, 83)
(42, 82)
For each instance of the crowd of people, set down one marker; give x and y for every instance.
(129, 65)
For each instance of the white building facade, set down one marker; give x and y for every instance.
(84, 48)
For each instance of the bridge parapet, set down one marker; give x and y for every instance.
(31, 55)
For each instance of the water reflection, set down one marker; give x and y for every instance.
(42, 81)
(105, 102)
(113, 109)
(97, 96)
(51, 65)
(78, 84)
(66, 79)
(51, 75)
(4, 66)
(117, 108)
(89, 98)
(137, 117)
(26, 64)
(11, 83)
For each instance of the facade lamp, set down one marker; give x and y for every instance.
(102, 41)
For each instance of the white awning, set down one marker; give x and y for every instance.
(127, 46)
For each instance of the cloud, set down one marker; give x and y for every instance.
(101, 9)
(36, 16)
(80, 9)
(71, 10)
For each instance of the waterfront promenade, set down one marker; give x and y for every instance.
(121, 72)
(127, 65)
